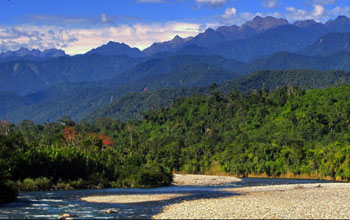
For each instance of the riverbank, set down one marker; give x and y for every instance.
(306, 201)
(178, 180)
(134, 198)
(202, 180)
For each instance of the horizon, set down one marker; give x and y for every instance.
(77, 27)
(142, 49)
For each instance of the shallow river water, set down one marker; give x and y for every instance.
(50, 204)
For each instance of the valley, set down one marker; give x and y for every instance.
(266, 98)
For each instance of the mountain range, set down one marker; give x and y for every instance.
(114, 79)
(34, 54)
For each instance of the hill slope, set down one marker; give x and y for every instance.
(115, 48)
(329, 44)
(132, 105)
(26, 76)
(273, 79)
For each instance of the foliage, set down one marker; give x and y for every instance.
(56, 156)
(287, 132)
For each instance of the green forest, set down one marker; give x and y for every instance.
(287, 132)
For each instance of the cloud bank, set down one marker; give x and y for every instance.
(80, 40)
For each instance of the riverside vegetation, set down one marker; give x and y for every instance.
(286, 132)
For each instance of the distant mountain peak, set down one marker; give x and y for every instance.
(340, 19)
(116, 44)
(209, 30)
(115, 48)
(177, 37)
(22, 52)
(329, 44)
(340, 24)
(166, 45)
(176, 40)
(264, 23)
(257, 18)
(305, 23)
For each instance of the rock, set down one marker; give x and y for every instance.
(110, 211)
(67, 216)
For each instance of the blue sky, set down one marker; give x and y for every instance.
(79, 25)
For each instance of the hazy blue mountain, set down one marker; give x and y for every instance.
(24, 77)
(79, 102)
(115, 48)
(10, 102)
(256, 39)
(80, 99)
(223, 33)
(234, 32)
(329, 44)
(261, 24)
(154, 68)
(287, 60)
(341, 24)
(273, 79)
(167, 46)
(22, 52)
(188, 75)
(305, 23)
(131, 105)
(77, 86)
(283, 38)
(261, 36)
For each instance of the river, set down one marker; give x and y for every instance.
(51, 204)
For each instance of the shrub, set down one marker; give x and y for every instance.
(152, 176)
(28, 184)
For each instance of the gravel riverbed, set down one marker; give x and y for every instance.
(202, 180)
(306, 201)
(135, 198)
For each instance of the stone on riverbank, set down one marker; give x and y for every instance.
(301, 201)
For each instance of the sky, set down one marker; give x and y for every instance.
(77, 26)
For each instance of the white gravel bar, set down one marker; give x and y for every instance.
(202, 180)
(302, 201)
(134, 198)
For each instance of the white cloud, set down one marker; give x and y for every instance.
(318, 10)
(230, 17)
(229, 12)
(270, 3)
(211, 3)
(80, 40)
(340, 11)
(30, 36)
(294, 14)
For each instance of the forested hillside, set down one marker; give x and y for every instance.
(274, 79)
(86, 101)
(132, 105)
(287, 132)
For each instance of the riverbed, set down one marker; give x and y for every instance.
(51, 204)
